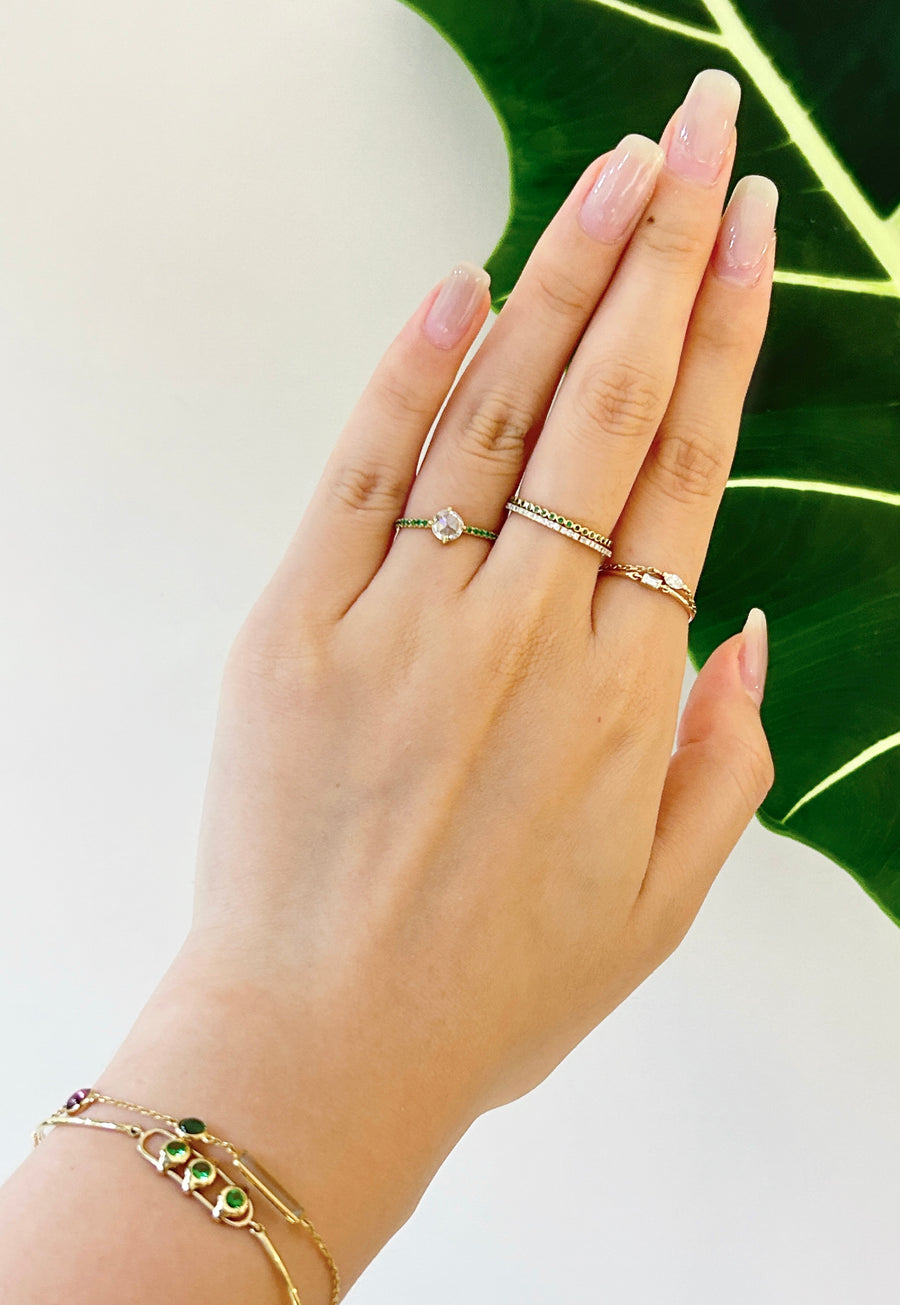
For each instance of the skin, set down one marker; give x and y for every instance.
(444, 832)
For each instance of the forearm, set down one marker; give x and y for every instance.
(337, 1124)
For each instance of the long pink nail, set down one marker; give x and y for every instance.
(621, 189)
(753, 657)
(748, 228)
(451, 314)
(703, 128)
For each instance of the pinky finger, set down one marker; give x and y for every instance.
(718, 775)
(347, 528)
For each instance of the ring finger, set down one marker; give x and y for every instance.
(669, 516)
(479, 447)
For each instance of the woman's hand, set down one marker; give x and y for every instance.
(444, 832)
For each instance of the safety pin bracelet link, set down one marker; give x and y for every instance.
(290, 1209)
(233, 1205)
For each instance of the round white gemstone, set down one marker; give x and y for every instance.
(652, 580)
(674, 581)
(447, 525)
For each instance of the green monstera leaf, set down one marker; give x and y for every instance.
(809, 528)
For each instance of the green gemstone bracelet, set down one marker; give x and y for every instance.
(178, 1156)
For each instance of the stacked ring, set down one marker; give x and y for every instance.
(664, 582)
(445, 525)
(564, 525)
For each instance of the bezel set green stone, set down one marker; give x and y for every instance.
(199, 1173)
(233, 1206)
(192, 1127)
(176, 1152)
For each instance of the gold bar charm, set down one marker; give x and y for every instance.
(273, 1191)
(262, 1237)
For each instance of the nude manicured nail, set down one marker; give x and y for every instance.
(703, 127)
(621, 189)
(747, 231)
(450, 316)
(754, 654)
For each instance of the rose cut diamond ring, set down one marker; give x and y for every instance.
(563, 525)
(445, 525)
(664, 582)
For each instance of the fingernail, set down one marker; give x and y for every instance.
(451, 314)
(666, 137)
(621, 189)
(703, 128)
(747, 230)
(754, 654)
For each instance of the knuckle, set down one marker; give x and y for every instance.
(667, 923)
(517, 660)
(634, 715)
(621, 398)
(561, 293)
(532, 640)
(370, 487)
(635, 695)
(397, 399)
(279, 666)
(751, 769)
(495, 431)
(689, 463)
(728, 334)
(674, 238)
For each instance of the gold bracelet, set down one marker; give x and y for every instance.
(179, 1151)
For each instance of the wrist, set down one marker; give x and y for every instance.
(329, 1100)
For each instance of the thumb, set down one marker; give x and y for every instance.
(717, 777)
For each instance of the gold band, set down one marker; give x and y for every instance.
(445, 525)
(664, 582)
(179, 1156)
(563, 525)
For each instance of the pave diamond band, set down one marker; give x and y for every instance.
(664, 582)
(563, 525)
(445, 525)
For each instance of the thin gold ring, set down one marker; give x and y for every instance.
(446, 525)
(563, 525)
(664, 582)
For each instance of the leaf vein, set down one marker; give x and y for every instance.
(881, 237)
(815, 487)
(868, 754)
(849, 285)
(660, 20)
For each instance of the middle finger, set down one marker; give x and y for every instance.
(616, 390)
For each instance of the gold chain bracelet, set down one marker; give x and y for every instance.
(178, 1157)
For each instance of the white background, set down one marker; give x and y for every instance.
(214, 217)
